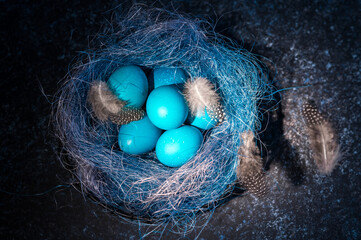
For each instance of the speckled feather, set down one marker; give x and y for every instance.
(106, 106)
(218, 113)
(127, 115)
(200, 95)
(323, 139)
(250, 172)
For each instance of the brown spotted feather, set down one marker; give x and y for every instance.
(323, 139)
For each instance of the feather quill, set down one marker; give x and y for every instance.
(250, 171)
(106, 106)
(200, 96)
(323, 139)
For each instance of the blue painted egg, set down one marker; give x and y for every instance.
(138, 137)
(130, 84)
(203, 121)
(169, 76)
(166, 107)
(175, 147)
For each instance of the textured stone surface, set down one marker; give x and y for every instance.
(314, 47)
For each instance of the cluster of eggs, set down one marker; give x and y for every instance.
(168, 125)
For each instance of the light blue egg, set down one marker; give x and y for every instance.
(166, 107)
(138, 137)
(203, 121)
(175, 147)
(130, 84)
(169, 76)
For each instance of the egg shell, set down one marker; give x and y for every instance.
(129, 83)
(203, 121)
(166, 107)
(139, 136)
(168, 76)
(177, 146)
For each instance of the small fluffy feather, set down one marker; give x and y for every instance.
(323, 139)
(200, 94)
(249, 171)
(103, 101)
(106, 106)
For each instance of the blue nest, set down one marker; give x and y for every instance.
(141, 186)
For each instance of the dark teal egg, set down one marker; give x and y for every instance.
(169, 76)
(130, 84)
(138, 137)
(203, 121)
(166, 107)
(177, 146)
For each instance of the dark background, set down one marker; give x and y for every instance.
(315, 43)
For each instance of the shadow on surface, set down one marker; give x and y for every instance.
(279, 149)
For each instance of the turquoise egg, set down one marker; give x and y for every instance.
(166, 107)
(138, 137)
(130, 84)
(169, 76)
(175, 147)
(203, 121)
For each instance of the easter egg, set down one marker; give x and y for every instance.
(203, 121)
(138, 137)
(175, 147)
(166, 107)
(168, 76)
(130, 84)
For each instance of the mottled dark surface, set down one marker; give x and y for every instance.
(315, 43)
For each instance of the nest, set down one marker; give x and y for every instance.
(139, 185)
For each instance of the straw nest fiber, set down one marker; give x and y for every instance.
(139, 185)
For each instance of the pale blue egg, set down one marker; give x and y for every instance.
(203, 121)
(130, 84)
(166, 107)
(139, 136)
(175, 147)
(168, 76)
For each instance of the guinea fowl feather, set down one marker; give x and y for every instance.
(103, 102)
(250, 172)
(106, 106)
(200, 94)
(323, 139)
